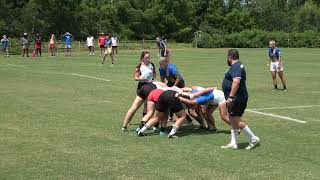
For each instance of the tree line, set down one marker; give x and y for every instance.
(144, 19)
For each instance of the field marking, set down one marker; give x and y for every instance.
(14, 65)
(92, 77)
(276, 116)
(288, 107)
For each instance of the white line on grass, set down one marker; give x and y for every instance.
(289, 107)
(276, 116)
(81, 75)
(14, 65)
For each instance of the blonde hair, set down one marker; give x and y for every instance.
(272, 42)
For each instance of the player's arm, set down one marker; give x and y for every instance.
(234, 89)
(178, 78)
(202, 92)
(188, 101)
(162, 79)
(154, 72)
(137, 75)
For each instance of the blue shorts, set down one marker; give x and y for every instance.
(68, 46)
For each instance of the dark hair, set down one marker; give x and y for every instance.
(233, 54)
(143, 54)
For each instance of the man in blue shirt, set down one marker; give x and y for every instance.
(5, 45)
(235, 91)
(275, 64)
(170, 73)
(67, 40)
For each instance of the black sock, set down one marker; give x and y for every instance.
(162, 129)
(142, 123)
(284, 87)
(275, 86)
(156, 125)
(188, 118)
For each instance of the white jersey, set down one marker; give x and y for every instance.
(147, 71)
(90, 41)
(114, 41)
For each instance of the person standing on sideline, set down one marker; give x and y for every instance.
(38, 44)
(101, 40)
(67, 40)
(25, 44)
(52, 45)
(108, 50)
(235, 91)
(114, 45)
(5, 45)
(90, 42)
(163, 50)
(275, 64)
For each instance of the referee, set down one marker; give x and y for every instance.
(235, 91)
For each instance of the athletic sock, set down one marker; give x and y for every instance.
(234, 133)
(248, 132)
(174, 130)
(162, 129)
(142, 123)
(156, 125)
(188, 118)
(144, 128)
(276, 86)
(284, 87)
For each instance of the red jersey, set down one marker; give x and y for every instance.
(154, 95)
(101, 40)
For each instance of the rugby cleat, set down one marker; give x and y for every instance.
(230, 146)
(141, 133)
(254, 142)
(137, 130)
(163, 133)
(124, 129)
(172, 136)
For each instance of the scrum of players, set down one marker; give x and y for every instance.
(162, 100)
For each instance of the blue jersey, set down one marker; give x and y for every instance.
(172, 74)
(236, 70)
(274, 54)
(205, 98)
(68, 39)
(108, 42)
(4, 43)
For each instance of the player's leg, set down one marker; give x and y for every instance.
(132, 110)
(274, 79)
(104, 56)
(224, 113)
(155, 119)
(148, 112)
(210, 119)
(195, 112)
(181, 116)
(283, 80)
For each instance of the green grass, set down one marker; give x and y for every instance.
(54, 125)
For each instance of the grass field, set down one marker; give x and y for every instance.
(60, 118)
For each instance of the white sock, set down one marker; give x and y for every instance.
(249, 133)
(234, 133)
(173, 130)
(145, 128)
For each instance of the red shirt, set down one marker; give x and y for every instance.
(154, 95)
(101, 40)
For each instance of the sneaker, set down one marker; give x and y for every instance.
(230, 146)
(254, 142)
(141, 133)
(124, 129)
(172, 136)
(138, 129)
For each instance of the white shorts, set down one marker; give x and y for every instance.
(218, 99)
(276, 66)
(108, 50)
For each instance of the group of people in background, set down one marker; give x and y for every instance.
(104, 42)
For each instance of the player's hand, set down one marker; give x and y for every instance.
(230, 101)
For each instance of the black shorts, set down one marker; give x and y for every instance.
(168, 101)
(179, 85)
(101, 46)
(145, 90)
(115, 47)
(237, 108)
